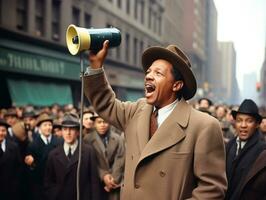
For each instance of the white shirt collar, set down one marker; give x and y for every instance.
(3, 145)
(243, 143)
(44, 138)
(165, 111)
(72, 146)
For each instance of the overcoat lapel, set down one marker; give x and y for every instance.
(112, 143)
(61, 156)
(99, 146)
(143, 126)
(6, 153)
(170, 132)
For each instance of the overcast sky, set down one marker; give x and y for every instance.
(244, 23)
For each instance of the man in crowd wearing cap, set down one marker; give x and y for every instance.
(172, 150)
(37, 154)
(10, 166)
(61, 169)
(243, 150)
(30, 118)
(11, 118)
(110, 152)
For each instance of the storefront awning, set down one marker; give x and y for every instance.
(25, 92)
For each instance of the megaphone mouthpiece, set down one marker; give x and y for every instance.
(80, 39)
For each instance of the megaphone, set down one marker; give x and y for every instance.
(79, 39)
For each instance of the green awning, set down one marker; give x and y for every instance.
(25, 92)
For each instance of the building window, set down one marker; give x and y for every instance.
(135, 49)
(136, 10)
(160, 25)
(56, 19)
(22, 15)
(127, 47)
(87, 20)
(141, 47)
(154, 22)
(39, 17)
(128, 6)
(75, 16)
(150, 17)
(142, 12)
(119, 4)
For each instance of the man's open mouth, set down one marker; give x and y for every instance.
(149, 87)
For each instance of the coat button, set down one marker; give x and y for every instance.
(137, 186)
(131, 157)
(162, 173)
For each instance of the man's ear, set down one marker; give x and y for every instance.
(178, 85)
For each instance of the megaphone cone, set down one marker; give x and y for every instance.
(79, 39)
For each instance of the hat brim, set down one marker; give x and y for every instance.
(4, 124)
(46, 120)
(70, 125)
(155, 53)
(257, 116)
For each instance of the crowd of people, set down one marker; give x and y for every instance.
(32, 172)
(163, 146)
(39, 154)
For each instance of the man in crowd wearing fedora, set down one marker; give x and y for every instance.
(243, 150)
(61, 169)
(37, 154)
(11, 118)
(110, 152)
(10, 166)
(172, 150)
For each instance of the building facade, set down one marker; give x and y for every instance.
(34, 53)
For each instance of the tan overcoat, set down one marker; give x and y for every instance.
(185, 159)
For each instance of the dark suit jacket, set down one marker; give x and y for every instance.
(10, 168)
(253, 186)
(237, 167)
(60, 175)
(39, 150)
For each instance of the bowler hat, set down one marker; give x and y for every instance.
(178, 59)
(43, 118)
(3, 123)
(70, 120)
(248, 107)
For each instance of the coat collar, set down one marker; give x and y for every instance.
(162, 138)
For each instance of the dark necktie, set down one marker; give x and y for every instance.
(153, 122)
(47, 141)
(239, 147)
(69, 153)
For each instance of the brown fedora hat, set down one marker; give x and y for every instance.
(178, 59)
(43, 118)
(20, 131)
